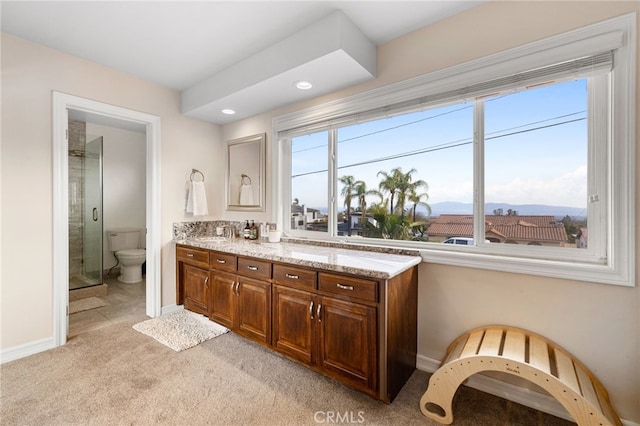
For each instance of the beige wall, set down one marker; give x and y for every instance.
(29, 75)
(600, 324)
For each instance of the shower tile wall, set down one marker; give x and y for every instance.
(77, 142)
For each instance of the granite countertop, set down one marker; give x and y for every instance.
(377, 263)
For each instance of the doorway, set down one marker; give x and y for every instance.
(109, 115)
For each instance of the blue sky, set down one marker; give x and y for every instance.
(541, 160)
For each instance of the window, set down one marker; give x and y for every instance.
(309, 182)
(521, 162)
(394, 166)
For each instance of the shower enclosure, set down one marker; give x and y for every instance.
(85, 208)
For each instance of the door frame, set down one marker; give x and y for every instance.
(62, 103)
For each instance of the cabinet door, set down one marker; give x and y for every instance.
(348, 343)
(253, 309)
(221, 299)
(196, 285)
(293, 318)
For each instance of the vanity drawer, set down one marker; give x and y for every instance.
(254, 268)
(291, 276)
(195, 256)
(348, 286)
(222, 261)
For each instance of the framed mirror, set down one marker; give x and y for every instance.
(245, 178)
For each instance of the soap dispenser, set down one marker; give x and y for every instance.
(246, 232)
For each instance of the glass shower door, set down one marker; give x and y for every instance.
(92, 243)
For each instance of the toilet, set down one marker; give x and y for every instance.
(125, 245)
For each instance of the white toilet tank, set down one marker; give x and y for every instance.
(123, 239)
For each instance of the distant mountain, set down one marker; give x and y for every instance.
(452, 207)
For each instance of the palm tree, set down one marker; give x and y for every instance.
(361, 191)
(387, 225)
(347, 192)
(406, 187)
(389, 183)
(416, 199)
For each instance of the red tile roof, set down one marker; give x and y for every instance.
(528, 228)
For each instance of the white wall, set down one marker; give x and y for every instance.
(598, 323)
(124, 182)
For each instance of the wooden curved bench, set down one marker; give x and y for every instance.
(523, 354)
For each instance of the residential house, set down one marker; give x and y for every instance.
(303, 217)
(598, 323)
(510, 229)
(356, 227)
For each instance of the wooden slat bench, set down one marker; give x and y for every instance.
(526, 355)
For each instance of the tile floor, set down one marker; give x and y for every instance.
(125, 302)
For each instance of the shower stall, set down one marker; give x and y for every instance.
(85, 208)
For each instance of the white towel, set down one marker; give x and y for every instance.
(246, 195)
(197, 199)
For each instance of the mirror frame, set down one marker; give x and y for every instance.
(238, 165)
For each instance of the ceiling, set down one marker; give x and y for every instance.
(244, 55)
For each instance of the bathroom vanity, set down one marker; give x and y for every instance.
(348, 314)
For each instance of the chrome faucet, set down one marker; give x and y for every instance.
(228, 232)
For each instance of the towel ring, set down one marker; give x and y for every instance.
(194, 172)
(244, 178)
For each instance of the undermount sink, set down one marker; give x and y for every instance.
(211, 239)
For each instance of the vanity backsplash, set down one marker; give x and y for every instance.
(190, 230)
(186, 230)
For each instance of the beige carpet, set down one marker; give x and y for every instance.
(85, 304)
(180, 330)
(117, 376)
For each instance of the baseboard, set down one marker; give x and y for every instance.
(35, 347)
(527, 397)
(171, 308)
(27, 349)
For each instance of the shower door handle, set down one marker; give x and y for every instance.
(95, 214)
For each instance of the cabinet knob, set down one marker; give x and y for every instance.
(318, 312)
(221, 261)
(252, 268)
(206, 281)
(291, 276)
(311, 309)
(189, 254)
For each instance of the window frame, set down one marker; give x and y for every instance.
(617, 156)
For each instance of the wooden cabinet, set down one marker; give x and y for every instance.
(238, 302)
(253, 309)
(348, 287)
(334, 336)
(222, 261)
(293, 322)
(347, 342)
(192, 266)
(196, 289)
(361, 331)
(222, 305)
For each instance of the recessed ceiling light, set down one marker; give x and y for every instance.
(303, 85)
(228, 111)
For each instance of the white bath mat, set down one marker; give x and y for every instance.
(180, 330)
(85, 304)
